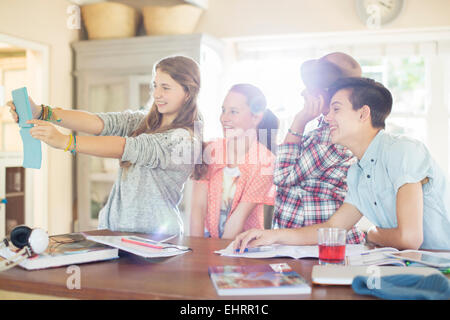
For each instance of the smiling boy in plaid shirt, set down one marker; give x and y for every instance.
(311, 172)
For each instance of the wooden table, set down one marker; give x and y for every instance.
(180, 277)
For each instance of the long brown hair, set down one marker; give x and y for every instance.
(185, 72)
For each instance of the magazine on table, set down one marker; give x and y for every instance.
(270, 279)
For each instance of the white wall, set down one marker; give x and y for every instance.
(242, 18)
(238, 18)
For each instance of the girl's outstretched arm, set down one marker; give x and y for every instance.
(103, 146)
(77, 120)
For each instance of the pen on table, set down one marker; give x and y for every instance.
(145, 240)
(142, 243)
(254, 249)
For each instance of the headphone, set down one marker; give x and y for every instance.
(28, 241)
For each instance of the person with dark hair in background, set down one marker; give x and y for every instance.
(229, 197)
(310, 171)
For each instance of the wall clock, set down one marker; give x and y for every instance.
(376, 13)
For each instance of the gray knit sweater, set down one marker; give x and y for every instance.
(145, 196)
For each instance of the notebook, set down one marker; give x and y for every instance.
(392, 256)
(270, 279)
(166, 250)
(66, 249)
(374, 257)
(23, 108)
(344, 275)
(32, 153)
(278, 250)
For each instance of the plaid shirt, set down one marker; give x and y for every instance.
(311, 181)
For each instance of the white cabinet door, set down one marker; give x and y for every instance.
(12, 194)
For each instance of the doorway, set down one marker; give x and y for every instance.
(23, 63)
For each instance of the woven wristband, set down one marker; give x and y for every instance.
(73, 151)
(47, 114)
(42, 112)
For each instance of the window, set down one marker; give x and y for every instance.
(411, 78)
(405, 79)
(280, 81)
(414, 65)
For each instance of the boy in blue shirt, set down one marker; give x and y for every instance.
(395, 183)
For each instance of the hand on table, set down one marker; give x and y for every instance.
(254, 238)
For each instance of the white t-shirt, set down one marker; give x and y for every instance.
(230, 178)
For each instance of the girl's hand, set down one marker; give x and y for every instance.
(46, 132)
(35, 110)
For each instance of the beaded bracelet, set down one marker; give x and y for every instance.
(73, 151)
(47, 114)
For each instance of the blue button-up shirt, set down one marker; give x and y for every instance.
(389, 162)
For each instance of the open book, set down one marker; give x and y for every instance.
(257, 280)
(143, 247)
(374, 257)
(392, 256)
(278, 250)
(66, 249)
(344, 275)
